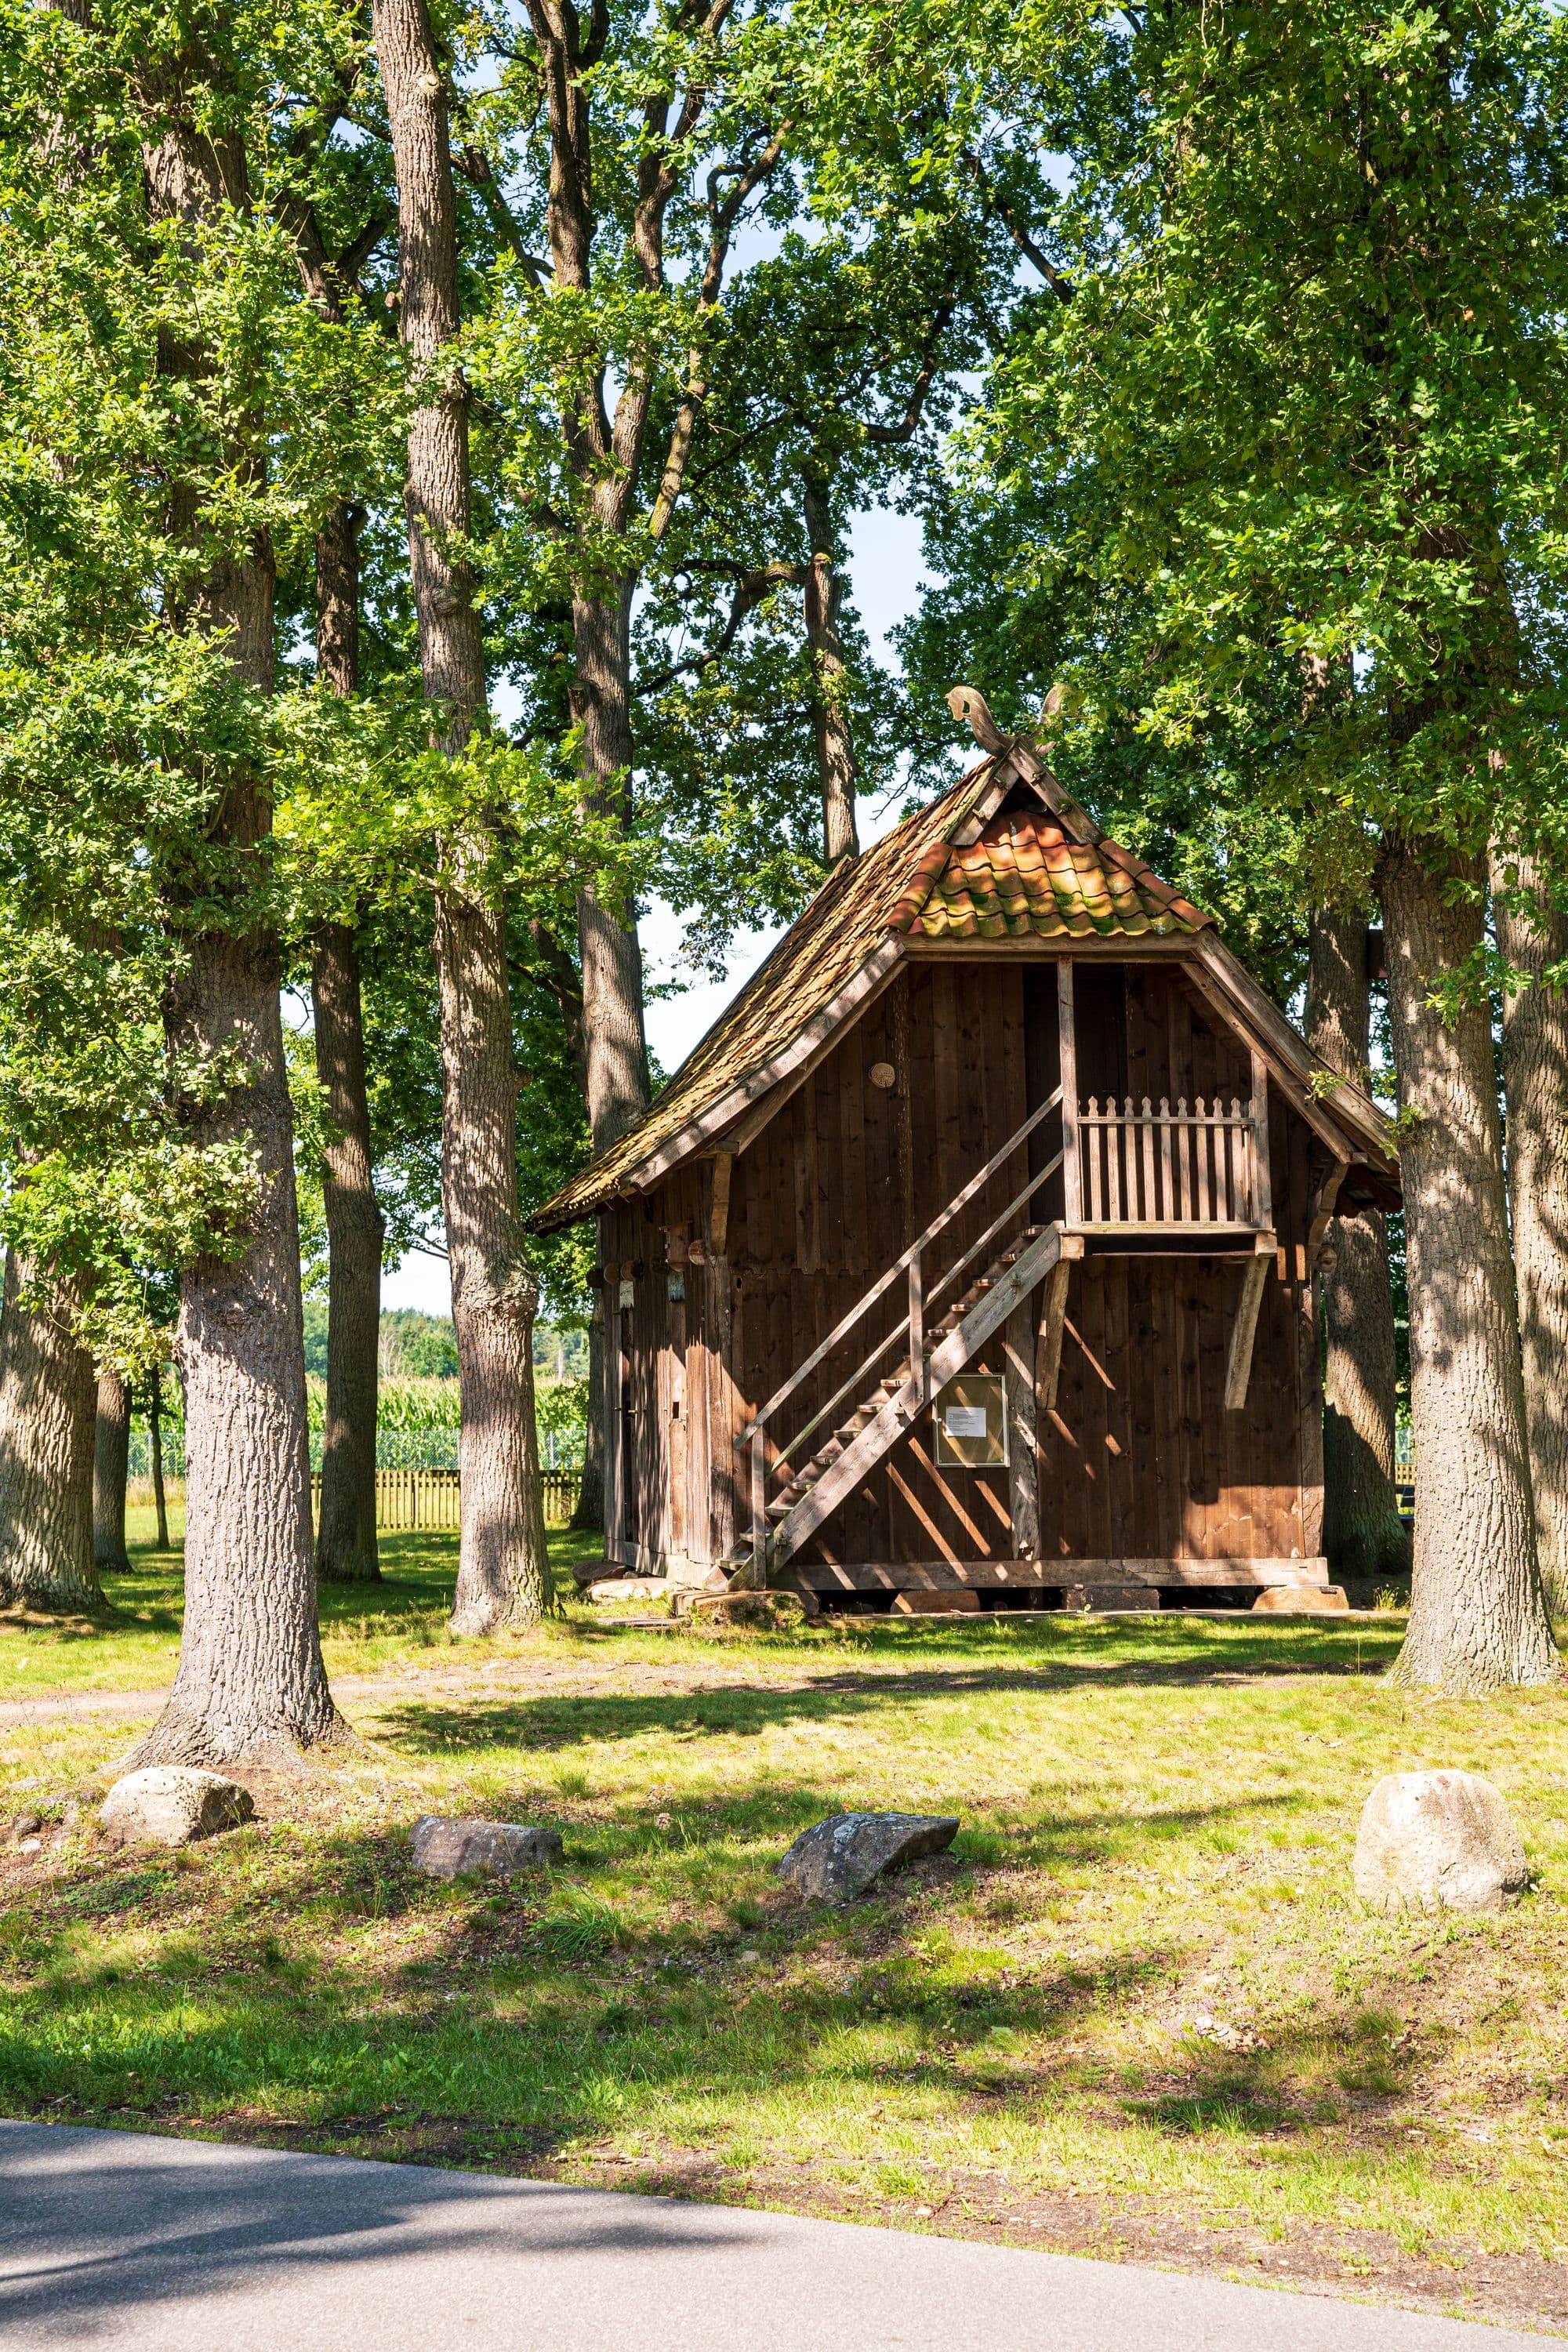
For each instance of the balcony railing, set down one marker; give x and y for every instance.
(1147, 1165)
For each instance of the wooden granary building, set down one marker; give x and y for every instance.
(970, 1253)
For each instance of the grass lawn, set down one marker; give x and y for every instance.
(134, 1646)
(1137, 2010)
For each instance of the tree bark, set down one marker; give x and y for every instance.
(1532, 932)
(250, 1683)
(1364, 1536)
(830, 680)
(48, 1409)
(1477, 1616)
(615, 1047)
(111, 1468)
(589, 1512)
(155, 1450)
(345, 1536)
(503, 1574)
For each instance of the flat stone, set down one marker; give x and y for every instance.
(614, 1591)
(1094, 1598)
(919, 1602)
(842, 1856)
(764, 1609)
(449, 1848)
(1303, 1599)
(170, 1804)
(1441, 1841)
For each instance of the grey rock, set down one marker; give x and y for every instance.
(1441, 1841)
(170, 1804)
(847, 1854)
(449, 1848)
(26, 1824)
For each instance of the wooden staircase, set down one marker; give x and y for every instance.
(878, 1410)
(885, 1413)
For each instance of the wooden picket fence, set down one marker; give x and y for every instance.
(411, 1501)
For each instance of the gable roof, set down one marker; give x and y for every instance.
(1003, 853)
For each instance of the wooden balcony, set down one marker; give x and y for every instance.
(1148, 1164)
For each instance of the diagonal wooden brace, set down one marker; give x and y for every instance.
(1239, 1370)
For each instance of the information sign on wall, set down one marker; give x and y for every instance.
(971, 1417)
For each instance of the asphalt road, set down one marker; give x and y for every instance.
(115, 2239)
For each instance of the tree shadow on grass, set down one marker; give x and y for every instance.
(451, 1724)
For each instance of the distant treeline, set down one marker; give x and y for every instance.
(416, 1346)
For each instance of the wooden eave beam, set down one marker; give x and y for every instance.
(1283, 1071)
(1238, 998)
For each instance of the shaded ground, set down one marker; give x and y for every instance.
(1136, 2012)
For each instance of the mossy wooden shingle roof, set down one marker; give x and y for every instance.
(1003, 855)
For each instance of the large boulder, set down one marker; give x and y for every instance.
(170, 1804)
(1440, 1840)
(847, 1854)
(447, 1848)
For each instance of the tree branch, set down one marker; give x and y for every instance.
(475, 168)
(751, 590)
(1062, 287)
(721, 217)
(892, 436)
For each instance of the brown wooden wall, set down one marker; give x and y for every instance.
(843, 1179)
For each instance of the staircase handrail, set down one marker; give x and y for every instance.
(899, 1331)
(900, 1266)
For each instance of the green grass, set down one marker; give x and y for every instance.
(133, 1645)
(1138, 1997)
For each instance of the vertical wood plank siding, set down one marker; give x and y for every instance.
(845, 1177)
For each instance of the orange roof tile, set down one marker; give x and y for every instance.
(1024, 878)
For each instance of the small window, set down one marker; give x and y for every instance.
(971, 1416)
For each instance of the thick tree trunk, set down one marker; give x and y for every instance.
(1362, 1533)
(503, 1575)
(1532, 933)
(590, 1509)
(345, 1535)
(48, 1411)
(346, 1538)
(111, 1468)
(250, 1683)
(830, 680)
(155, 1451)
(1477, 1616)
(615, 1048)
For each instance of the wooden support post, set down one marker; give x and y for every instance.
(1238, 1371)
(1072, 1178)
(1322, 1213)
(1262, 1180)
(1023, 1462)
(719, 1207)
(1048, 1348)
